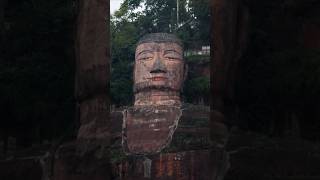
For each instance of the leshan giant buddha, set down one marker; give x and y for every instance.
(162, 138)
(159, 73)
(159, 70)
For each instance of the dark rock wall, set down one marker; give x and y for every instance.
(21, 169)
(190, 155)
(247, 155)
(81, 161)
(255, 156)
(92, 69)
(311, 35)
(169, 166)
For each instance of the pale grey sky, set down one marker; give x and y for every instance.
(115, 5)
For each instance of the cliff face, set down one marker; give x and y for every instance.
(249, 156)
(256, 156)
(92, 69)
(311, 35)
(171, 166)
(189, 155)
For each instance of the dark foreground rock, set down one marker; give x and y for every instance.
(170, 166)
(21, 169)
(254, 156)
(251, 157)
(82, 161)
(190, 156)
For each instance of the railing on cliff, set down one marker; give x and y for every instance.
(205, 50)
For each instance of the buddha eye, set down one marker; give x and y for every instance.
(145, 58)
(173, 58)
(172, 55)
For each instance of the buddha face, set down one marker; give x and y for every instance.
(159, 72)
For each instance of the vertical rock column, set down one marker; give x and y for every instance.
(228, 37)
(92, 69)
(87, 157)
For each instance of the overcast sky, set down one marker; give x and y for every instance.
(115, 5)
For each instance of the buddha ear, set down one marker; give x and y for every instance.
(185, 71)
(134, 68)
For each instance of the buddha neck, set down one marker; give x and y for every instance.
(157, 97)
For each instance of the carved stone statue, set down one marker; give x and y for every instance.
(159, 70)
(159, 73)
(161, 137)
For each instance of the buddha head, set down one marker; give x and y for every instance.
(159, 70)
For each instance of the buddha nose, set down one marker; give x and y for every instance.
(158, 67)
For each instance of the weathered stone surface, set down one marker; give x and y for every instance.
(229, 24)
(159, 70)
(170, 166)
(188, 156)
(192, 131)
(311, 35)
(92, 69)
(149, 129)
(92, 111)
(91, 47)
(251, 156)
(254, 156)
(21, 169)
(82, 161)
(247, 156)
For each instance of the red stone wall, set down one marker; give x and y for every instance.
(191, 165)
(311, 35)
(21, 169)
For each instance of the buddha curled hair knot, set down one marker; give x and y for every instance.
(160, 37)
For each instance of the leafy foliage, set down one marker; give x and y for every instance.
(197, 90)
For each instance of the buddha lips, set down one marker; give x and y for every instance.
(158, 78)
